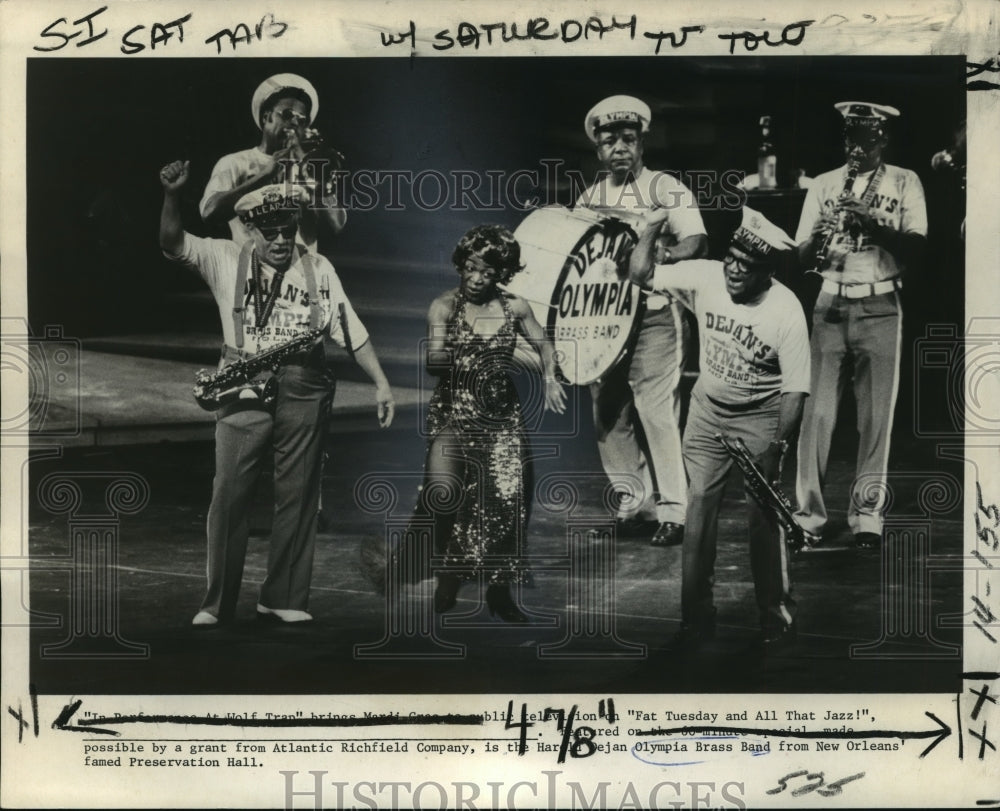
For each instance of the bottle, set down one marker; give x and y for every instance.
(767, 160)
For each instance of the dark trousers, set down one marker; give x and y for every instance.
(708, 465)
(243, 439)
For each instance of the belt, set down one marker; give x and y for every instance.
(860, 290)
(739, 408)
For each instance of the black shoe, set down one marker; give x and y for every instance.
(774, 641)
(668, 534)
(446, 593)
(502, 605)
(867, 540)
(634, 527)
(692, 636)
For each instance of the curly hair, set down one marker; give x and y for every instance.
(495, 245)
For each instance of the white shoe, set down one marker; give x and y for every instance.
(283, 614)
(204, 619)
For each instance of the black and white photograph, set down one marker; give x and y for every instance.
(491, 407)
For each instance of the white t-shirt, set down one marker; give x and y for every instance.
(217, 261)
(747, 352)
(238, 167)
(647, 189)
(898, 203)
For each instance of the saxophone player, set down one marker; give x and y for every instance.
(268, 291)
(869, 230)
(754, 358)
(284, 108)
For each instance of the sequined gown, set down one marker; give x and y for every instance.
(478, 402)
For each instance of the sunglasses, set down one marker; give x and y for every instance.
(289, 115)
(271, 234)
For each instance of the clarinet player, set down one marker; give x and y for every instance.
(863, 226)
(268, 290)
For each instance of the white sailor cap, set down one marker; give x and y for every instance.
(268, 205)
(615, 110)
(865, 109)
(278, 82)
(760, 237)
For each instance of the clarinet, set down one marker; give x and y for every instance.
(853, 165)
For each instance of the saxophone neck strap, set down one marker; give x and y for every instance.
(239, 308)
(309, 271)
(873, 183)
(243, 266)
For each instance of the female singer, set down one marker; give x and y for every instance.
(477, 439)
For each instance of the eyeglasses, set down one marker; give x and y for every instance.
(289, 115)
(287, 231)
(743, 265)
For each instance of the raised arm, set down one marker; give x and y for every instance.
(640, 266)
(692, 247)
(173, 176)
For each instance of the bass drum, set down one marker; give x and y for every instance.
(575, 278)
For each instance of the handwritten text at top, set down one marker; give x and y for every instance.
(98, 28)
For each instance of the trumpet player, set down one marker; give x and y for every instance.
(754, 359)
(268, 291)
(284, 108)
(862, 228)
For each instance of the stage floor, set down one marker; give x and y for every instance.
(882, 621)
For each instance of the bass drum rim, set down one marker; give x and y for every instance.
(586, 223)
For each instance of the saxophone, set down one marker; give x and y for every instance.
(769, 497)
(215, 389)
(853, 165)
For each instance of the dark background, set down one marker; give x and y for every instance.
(99, 130)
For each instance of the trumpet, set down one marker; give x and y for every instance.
(317, 164)
(312, 148)
(853, 166)
(767, 495)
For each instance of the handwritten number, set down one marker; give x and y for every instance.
(567, 733)
(583, 742)
(833, 789)
(811, 786)
(816, 784)
(783, 782)
(522, 744)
